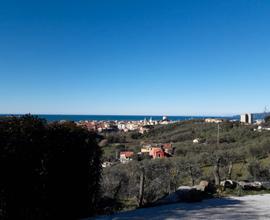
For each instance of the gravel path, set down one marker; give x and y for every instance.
(247, 207)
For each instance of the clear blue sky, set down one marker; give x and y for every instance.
(150, 57)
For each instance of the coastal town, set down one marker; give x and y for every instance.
(141, 126)
(152, 150)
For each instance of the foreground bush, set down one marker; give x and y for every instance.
(48, 171)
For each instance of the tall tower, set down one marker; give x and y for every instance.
(243, 118)
(250, 118)
(246, 118)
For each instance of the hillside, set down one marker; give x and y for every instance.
(239, 153)
(239, 141)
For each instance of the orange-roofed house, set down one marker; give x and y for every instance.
(168, 148)
(126, 156)
(156, 152)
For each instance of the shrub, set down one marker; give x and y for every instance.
(48, 171)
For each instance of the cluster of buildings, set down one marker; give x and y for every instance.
(145, 125)
(98, 126)
(153, 151)
(141, 126)
(249, 118)
(213, 120)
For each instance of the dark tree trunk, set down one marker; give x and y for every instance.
(230, 170)
(216, 172)
(191, 175)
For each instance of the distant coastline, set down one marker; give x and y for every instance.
(58, 117)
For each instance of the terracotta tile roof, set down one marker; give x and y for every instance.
(127, 153)
(167, 146)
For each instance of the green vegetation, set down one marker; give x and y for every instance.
(238, 153)
(48, 171)
(52, 171)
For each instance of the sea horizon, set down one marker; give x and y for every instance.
(94, 117)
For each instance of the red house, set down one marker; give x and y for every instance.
(168, 149)
(126, 156)
(156, 152)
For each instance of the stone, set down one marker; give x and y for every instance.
(228, 184)
(250, 185)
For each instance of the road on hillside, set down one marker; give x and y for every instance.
(247, 207)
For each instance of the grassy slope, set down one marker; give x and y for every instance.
(240, 141)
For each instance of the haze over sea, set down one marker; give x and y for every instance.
(50, 117)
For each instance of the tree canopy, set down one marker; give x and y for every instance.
(47, 171)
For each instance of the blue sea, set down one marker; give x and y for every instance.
(119, 117)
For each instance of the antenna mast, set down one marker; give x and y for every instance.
(265, 113)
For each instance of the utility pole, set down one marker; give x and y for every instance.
(217, 161)
(141, 192)
(218, 134)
